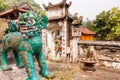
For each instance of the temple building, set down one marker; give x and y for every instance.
(86, 34)
(57, 28)
(57, 37)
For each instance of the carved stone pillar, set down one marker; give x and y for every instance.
(75, 49)
(76, 36)
(64, 39)
(44, 41)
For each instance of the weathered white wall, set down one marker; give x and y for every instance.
(50, 44)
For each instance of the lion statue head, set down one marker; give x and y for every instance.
(31, 22)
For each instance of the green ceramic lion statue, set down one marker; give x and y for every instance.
(25, 40)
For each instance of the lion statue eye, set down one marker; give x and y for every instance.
(31, 21)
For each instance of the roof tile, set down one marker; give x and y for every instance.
(86, 31)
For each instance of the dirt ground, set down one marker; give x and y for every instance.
(65, 71)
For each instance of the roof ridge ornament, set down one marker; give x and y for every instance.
(77, 20)
(63, 3)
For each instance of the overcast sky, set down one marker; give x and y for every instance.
(86, 8)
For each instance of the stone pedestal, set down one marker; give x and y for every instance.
(89, 65)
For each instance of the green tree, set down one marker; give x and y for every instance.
(32, 3)
(2, 5)
(107, 25)
(87, 23)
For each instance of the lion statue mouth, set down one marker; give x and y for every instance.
(25, 29)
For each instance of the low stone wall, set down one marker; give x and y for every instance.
(108, 56)
(107, 53)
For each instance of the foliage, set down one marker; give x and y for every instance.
(87, 23)
(32, 3)
(107, 25)
(2, 5)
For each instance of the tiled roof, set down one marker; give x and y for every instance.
(86, 31)
(11, 10)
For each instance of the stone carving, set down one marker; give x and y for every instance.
(77, 20)
(90, 59)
